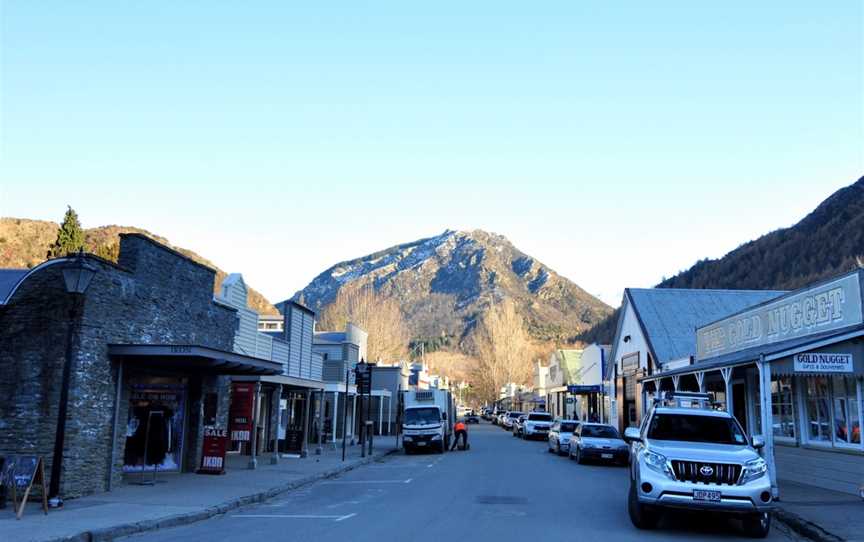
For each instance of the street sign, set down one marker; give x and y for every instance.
(363, 377)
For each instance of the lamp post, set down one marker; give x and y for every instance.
(77, 274)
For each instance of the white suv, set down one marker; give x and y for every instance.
(536, 425)
(696, 458)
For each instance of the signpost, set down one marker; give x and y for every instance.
(363, 378)
(213, 451)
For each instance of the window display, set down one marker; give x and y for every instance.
(154, 431)
(818, 409)
(782, 407)
(847, 426)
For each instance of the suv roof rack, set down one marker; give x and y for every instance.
(686, 399)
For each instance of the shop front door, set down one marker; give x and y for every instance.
(292, 422)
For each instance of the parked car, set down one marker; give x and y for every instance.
(697, 458)
(535, 425)
(518, 424)
(559, 435)
(598, 442)
(509, 419)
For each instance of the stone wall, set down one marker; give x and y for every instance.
(155, 296)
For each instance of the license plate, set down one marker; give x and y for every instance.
(606, 456)
(706, 495)
(421, 444)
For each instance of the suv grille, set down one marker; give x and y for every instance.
(706, 473)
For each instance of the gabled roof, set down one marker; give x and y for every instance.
(669, 317)
(9, 278)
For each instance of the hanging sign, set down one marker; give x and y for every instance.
(242, 401)
(576, 388)
(213, 451)
(812, 362)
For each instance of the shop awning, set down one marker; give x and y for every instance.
(771, 352)
(290, 381)
(195, 358)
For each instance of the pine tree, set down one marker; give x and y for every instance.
(70, 236)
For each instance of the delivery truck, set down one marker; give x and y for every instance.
(427, 420)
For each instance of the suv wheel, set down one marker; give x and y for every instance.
(757, 525)
(642, 516)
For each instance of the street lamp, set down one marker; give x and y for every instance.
(77, 274)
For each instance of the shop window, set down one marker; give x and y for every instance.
(782, 408)
(818, 410)
(847, 426)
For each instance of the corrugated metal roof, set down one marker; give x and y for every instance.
(8, 279)
(770, 351)
(670, 316)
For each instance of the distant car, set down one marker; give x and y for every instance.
(597, 441)
(510, 418)
(560, 434)
(536, 425)
(472, 418)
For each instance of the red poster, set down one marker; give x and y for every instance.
(213, 451)
(242, 401)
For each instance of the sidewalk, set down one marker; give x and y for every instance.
(820, 514)
(179, 499)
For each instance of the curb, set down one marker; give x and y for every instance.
(804, 528)
(110, 533)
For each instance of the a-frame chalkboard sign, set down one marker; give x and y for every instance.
(20, 473)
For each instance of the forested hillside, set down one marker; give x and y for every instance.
(827, 242)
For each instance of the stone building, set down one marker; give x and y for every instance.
(151, 352)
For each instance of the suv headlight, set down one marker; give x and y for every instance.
(588, 445)
(753, 470)
(658, 463)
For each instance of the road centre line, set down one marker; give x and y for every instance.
(296, 516)
(330, 482)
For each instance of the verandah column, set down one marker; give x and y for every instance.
(767, 427)
(304, 446)
(726, 373)
(277, 406)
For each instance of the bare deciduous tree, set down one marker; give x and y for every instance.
(503, 350)
(379, 316)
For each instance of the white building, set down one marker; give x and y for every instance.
(655, 331)
(791, 369)
(285, 407)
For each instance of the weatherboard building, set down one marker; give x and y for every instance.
(790, 367)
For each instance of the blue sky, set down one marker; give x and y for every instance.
(616, 142)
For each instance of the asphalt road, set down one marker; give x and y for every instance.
(502, 489)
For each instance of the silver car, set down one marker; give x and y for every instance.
(598, 442)
(697, 458)
(559, 436)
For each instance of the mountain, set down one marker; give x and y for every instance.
(444, 282)
(827, 242)
(24, 244)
